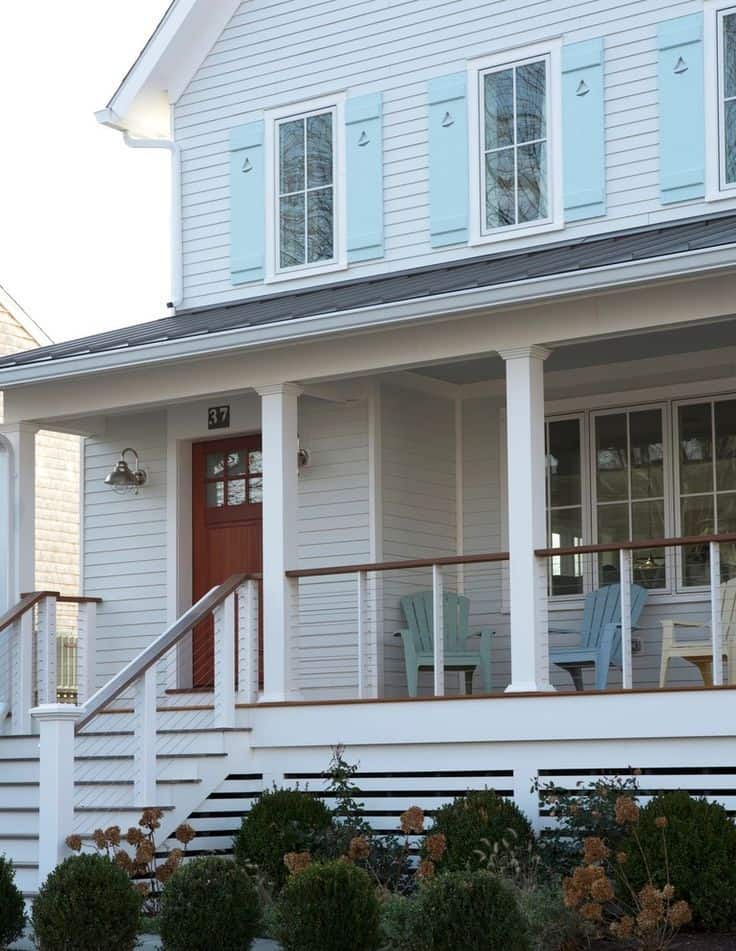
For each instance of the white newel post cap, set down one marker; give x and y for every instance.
(56, 712)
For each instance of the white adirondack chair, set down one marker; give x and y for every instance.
(698, 652)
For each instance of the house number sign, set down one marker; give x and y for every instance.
(218, 417)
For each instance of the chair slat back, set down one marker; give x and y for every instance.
(728, 612)
(603, 607)
(419, 615)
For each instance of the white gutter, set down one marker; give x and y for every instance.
(175, 208)
(513, 294)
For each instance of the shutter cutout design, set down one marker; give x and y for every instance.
(247, 203)
(583, 130)
(448, 160)
(681, 109)
(364, 159)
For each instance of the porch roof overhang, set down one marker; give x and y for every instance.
(674, 250)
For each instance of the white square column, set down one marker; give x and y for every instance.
(18, 512)
(280, 442)
(526, 518)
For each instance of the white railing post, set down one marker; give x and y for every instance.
(438, 631)
(362, 630)
(46, 650)
(22, 672)
(144, 778)
(248, 641)
(86, 649)
(224, 617)
(625, 588)
(716, 626)
(56, 782)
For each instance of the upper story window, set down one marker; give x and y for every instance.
(306, 164)
(727, 97)
(720, 98)
(515, 144)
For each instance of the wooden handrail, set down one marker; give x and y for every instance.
(156, 649)
(397, 565)
(638, 545)
(78, 599)
(27, 601)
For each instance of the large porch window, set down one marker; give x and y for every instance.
(638, 473)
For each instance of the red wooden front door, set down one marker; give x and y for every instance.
(227, 538)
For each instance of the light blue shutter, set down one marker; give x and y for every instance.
(364, 159)
(583, 130)
(448, 160)
(247, 203)
(681, 109)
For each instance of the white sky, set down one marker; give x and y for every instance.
(84, 227)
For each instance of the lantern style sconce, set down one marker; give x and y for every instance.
(122, 478)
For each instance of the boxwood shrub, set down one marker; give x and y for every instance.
(209, 903)
(12, 907)
(329, 907)
(86, 904)
(281, 821)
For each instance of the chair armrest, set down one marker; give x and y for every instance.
(674, 622)
(400, 633)
(485, 633)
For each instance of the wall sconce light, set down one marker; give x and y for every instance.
(123, 479)
(302, 458)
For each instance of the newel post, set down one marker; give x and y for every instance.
(56, 782)
(224, 618)
(46, 650)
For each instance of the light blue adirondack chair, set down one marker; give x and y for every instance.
(600, 634)
(418, 641)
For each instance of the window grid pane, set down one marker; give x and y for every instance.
(564, 505)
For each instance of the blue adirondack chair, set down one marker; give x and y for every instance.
(600, 634)
(418, 641)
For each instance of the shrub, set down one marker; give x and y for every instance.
(328, 907)
(209, 903)
(701, 850)
(86, 904)
(469, 910)
(550, 924)
(397, 924)
(477, 816)
(12, 908)
(281, 821)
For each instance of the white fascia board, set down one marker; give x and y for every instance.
(11, 305)
(439, 306)
(165, 67)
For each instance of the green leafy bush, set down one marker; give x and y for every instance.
(328, 908)
(474, 911)
(86, 904)
(281, 821)
(12, 908)
(209, 903)
(700, 849)
(550, 924)
(479, 815)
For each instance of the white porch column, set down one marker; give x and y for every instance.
(18, 513)
(279, 413)
(526, 517)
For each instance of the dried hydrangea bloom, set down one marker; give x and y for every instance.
(151, 819)
(627, 811)
(124, 861)
(592, 911)
(359, 848)
(680, 914)
(648, 920)
(74, 842)
(297, 861)
(144, 889)
(595, 850)
(651, 898)
(184, 833)
(145, 852)
(623, 928)
(164, 872)
(622, 858)
(134, 835)
(436, 846)
(426, 869)
(112, 834)
(668, 891)
(661, 822)
(602, 890)
(99, 839)
(412, 821)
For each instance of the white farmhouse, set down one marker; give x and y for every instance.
(435, 454)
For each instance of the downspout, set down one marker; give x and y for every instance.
(177, 293)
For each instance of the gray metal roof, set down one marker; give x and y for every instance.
(564, 257)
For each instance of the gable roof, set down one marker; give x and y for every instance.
(176, 49)
(518, 270)
(11, 306)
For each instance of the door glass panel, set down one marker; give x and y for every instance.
(696, 449)
(255, 461)
(236, 492)
(215, 465)
(725, 447)
(235, 463)
(611, 459)
(255, 490)
(647, 457)
(215, 494)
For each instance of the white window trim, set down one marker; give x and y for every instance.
(335, 104)
(715, 187)
(552, 51)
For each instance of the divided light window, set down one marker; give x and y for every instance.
(727, 96)
(306, 190)
(515, 144)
